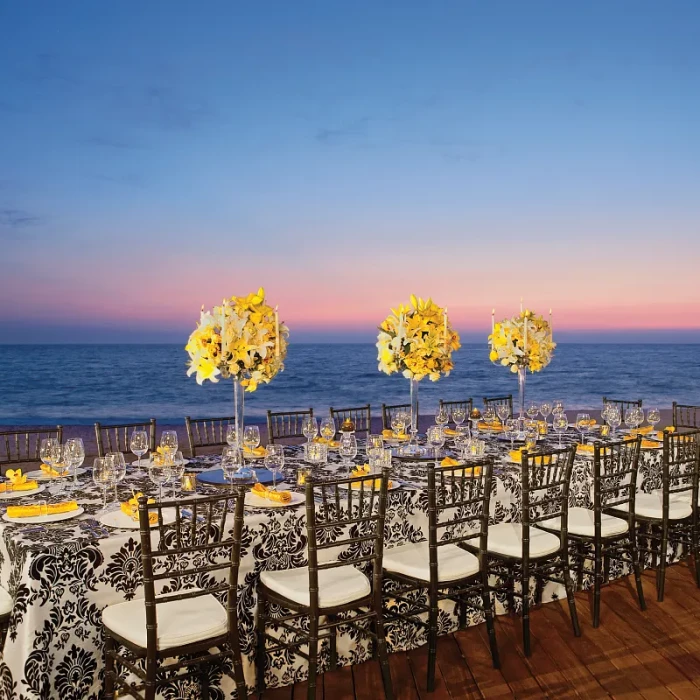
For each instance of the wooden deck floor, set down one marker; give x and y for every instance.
(654, 655)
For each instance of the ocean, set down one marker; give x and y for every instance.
(78, 384)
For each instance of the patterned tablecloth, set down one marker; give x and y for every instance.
(62, 575)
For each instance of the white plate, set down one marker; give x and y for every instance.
(53, 518)
(117, 518)
(394, 485)
(254, 501)
(146, 462)
(38, 475)
(18, 494)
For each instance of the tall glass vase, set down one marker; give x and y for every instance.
(521, 392)
(238, 410)
(414, 409)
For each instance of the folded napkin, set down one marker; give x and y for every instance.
(391, 435)
(670, 429)
(645, 430)
(330, 443)
(278, 496)
(363, 471)
(131, 508)
(591, 422)
(495, 427)
(587, 449)
(34, 510)
(650, 443)
(17, 482)
(54, 472)
(449, 462)
(255, 452)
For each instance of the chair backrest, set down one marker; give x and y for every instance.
(23, 445)
(346, 515)
(286, 424)
(458, 508)
(680, 466)
(361, 416)
(467, 405)
(623, 404)
(389, 411)
(204, 539)
(615, 466)
(207, 432)
(499, 400)
(115, 438)
(545, 478)
(686, 416)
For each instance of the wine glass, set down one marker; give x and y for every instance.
(639, 416)
(442, 417)
(489, 416)
(436, 438)
(631, 419)
(545, 410)
(328, 429)
(613, 417)
(557, 406)
(462, 439)
(74, 454)
(117, 463)
(231, 463)
(459, 415)
(374, 443)
(309, 428)
(274, 461)
(251, 438)
(583, 423)
(168, 443)
(47, 448)
(503, 411)
(398, 425)
(139, 446)
(178, 471)
(653, 417)
(348, 449)
(510, 428)
(532, 409)
(231, 435)
(160, 474)
(560, 423)
(405, 418)
(103, 477)
(59, 465)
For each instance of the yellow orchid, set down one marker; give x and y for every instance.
(16, 477)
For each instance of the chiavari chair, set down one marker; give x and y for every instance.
(670, 514)
(282, 425)
(467, 405)
(189, 624)
(361, 416)
(115, 438)
(19, 446)
(449, 564)
(495, 401)
(519, 551)
(623, 404)
(686, 416)
(207, 432)
(341, 514)
(609, 530)
(388, 413)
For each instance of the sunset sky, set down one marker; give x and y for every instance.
(158, 156)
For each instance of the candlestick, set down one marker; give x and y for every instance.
(223, 328)
(493, 320)
(525, 333)
(521, 304)
(277, 333)
(444, 319)
(551, 326)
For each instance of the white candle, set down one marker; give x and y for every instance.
(521, 304)
(551, 326)
(223, 326)
(493, 320)
(444, 319)
(277, 333)
(525, 334)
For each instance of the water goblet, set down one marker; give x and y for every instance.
(631, 419)
(168, 443)
(60, 466)
(459, 415)
(462, 443)
(374, 442)
(160, 474)
(398, 426)
(442, 417)
(503, 411)
(328, 429)
(489, 417)
(103, 477)
(436, 439)
(532, 409)
(510, 429)
(231, 463)
(274, 461)
(348, 449)
(178, 471)
(74, 454)
(613, 417)
(560, 423)
(557, 406)
(231, 435)
(116, 461)
(139, 446)
(251, 438)
(583, 423)
(653, 417)
(47, 448)
(545, 410)
(639, 416)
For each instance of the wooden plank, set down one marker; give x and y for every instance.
(589, 653)
(402, 677)
(367, 678)
(301, 689)
(338, 684)
(458, 678)
(489, 680)
(284, 693)
(418, 659)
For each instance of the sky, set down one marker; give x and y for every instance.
(158, 156)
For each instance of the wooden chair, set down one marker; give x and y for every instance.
(670, 514)
(467, 405)
(189, 622)
(496, 401)
(19, 446)
(351, 518)
(448, 564)
(610, 528)
(389, 411)
(518, 551)
(623, 404)
(686, 416)
(286, 424)
(361, 416)
(115, 438)
(207, 432)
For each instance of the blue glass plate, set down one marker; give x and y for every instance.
(216, 478)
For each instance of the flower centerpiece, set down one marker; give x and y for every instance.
(417, 340)
(522, 342)
(243, 340)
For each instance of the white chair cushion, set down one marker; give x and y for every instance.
(180, 622)
(414, 560)
(507, 539)
(650, 505)
(582, 522)
(336, 586)
(6, 603)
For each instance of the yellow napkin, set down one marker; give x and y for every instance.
(449, 462)
(391, 435)
(18, 482)
(278, 496)
(330, 443)
(495, 427)
(670, 429)
(368, 483)
(449, 431)
(53, 472)
(591, 422)
(363, 471)
(469, 471)
(255, 452)
(650, 443)
(588, 448)
(645, 430)
(517, 456)
(131, 508)
(31, 511)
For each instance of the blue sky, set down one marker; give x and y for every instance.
(158, 156)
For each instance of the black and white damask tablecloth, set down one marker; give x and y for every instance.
(62, 575)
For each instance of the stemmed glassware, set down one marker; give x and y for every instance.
(489, 416)
(639, 416)
(251, 438)
(59, 465)
(178, 471)
(374, 443)
(557, 406)
(309, 428)
(613, 417)
(116, 462)
(231, 435)
(545, 410)
(160, 474)
(462, 441)
(510, 430)
(560, 423)
(348, 449)
(328, 429)
(436, 439)
(47, 451)
(653, 417)
(532, 410)
(459, 415)
(103, 478)
(442, 417)
(231, 463)
(503, 412)
(168, 443)
(139, 446)
(398, 424)
(74, 454)
(583, 424)
(274, 461)
(631, 419)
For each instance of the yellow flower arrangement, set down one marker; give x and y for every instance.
(242, 338)
(417, 341)
(524, 341)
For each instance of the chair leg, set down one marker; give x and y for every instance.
(569, 585)
(694, 546)
(260, 655)
(334, 643)
(525, 590)
(634, 553)
(204, 681)
(313, 657)
(490, 627)
(150, 687)
(462, 618)
(597, 581)
(110, 669)
(511, 590)
(432, 640)
(661, 571)
(383, 655)
(580, 563)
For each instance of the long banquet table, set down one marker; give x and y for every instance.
(62, 575)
